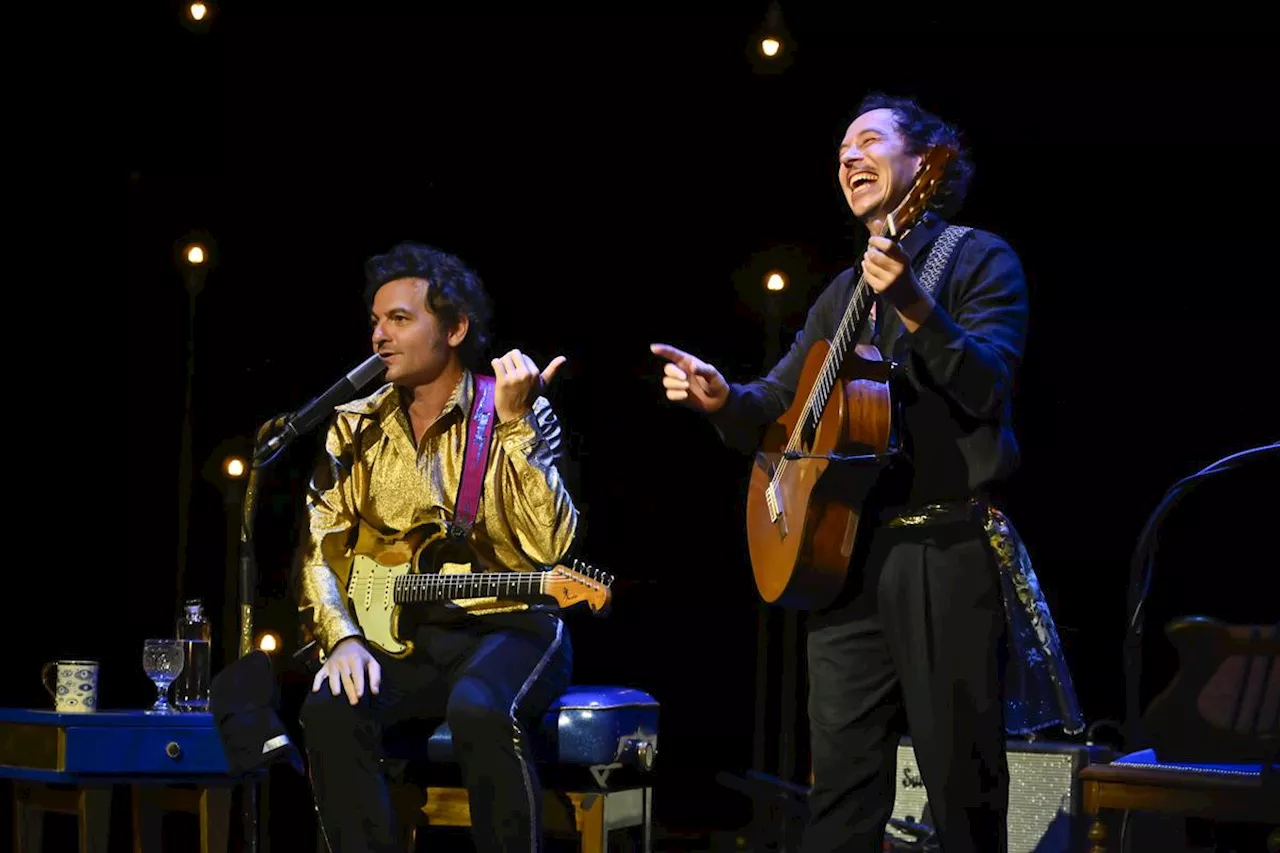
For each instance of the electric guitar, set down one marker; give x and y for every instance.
(802, 522)
(389, 576)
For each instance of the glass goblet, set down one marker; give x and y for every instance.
(162, 660)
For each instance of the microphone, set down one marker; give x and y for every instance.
(312, 414)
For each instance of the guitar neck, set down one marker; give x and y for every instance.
(413, 588)
(851, 324)
(846, 336)
(842, 341)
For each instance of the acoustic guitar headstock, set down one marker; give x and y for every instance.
(580, 583)
(933, 166)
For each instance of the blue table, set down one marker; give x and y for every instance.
(70, 762)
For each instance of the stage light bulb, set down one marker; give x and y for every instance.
(195, 254)
(233, 467)
(770, 46)
(198, 11)
(775, 281)
(268, 642)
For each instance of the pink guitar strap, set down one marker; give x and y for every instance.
(476, 459)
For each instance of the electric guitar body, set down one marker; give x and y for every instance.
(392, 578)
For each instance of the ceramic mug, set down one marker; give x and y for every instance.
(73, 684)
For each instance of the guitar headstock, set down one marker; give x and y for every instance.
(579, 583)
(933, 167)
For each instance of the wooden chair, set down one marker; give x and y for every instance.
(1213, 732)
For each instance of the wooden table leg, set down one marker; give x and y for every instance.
(90, 805)
(215, 820)
(1097, 831)
(147, 814)
(594, 834)
(28, 821)
(94, 812)
(1098, 834)
(212, 805)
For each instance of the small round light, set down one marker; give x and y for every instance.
(233, 467)
(770, 46)
(775, 281)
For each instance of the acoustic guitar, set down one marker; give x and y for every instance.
(389, 576)
(803, 514)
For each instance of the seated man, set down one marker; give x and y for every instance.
(388, 484)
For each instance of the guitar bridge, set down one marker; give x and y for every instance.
(771, 499)
(776, 515)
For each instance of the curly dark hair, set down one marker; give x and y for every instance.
(922, 130)
(455, 290)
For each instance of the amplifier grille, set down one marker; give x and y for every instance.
(1045, 804)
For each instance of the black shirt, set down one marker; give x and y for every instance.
(956, 375)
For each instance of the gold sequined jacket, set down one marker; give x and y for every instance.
(372, 483)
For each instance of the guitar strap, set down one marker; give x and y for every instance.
(940, 255)
(476, 458)
(887, 326)
(930, 274)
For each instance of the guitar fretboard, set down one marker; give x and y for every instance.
(419, 588)
(847, 333)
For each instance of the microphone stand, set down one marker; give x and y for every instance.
(248, 592)
(271, 440)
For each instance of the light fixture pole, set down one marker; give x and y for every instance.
(194, 260)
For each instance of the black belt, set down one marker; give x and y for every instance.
(948, 512)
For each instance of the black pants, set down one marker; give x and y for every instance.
(491, 679)
(915, 643)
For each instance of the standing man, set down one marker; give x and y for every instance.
(919, 638)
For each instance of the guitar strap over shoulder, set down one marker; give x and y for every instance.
(940, 256)
(476, 459)
(930, 274)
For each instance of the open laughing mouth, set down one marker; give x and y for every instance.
(862, 182)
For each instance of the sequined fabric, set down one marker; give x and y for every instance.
(373, 485)
(1039, 691)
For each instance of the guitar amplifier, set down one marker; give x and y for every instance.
(1046, 808)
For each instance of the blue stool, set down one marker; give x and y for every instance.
(595, 752)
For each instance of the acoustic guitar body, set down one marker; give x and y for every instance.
(801, 540)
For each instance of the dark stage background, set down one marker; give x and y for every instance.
(620, 180)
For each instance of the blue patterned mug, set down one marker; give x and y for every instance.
(73, 684)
